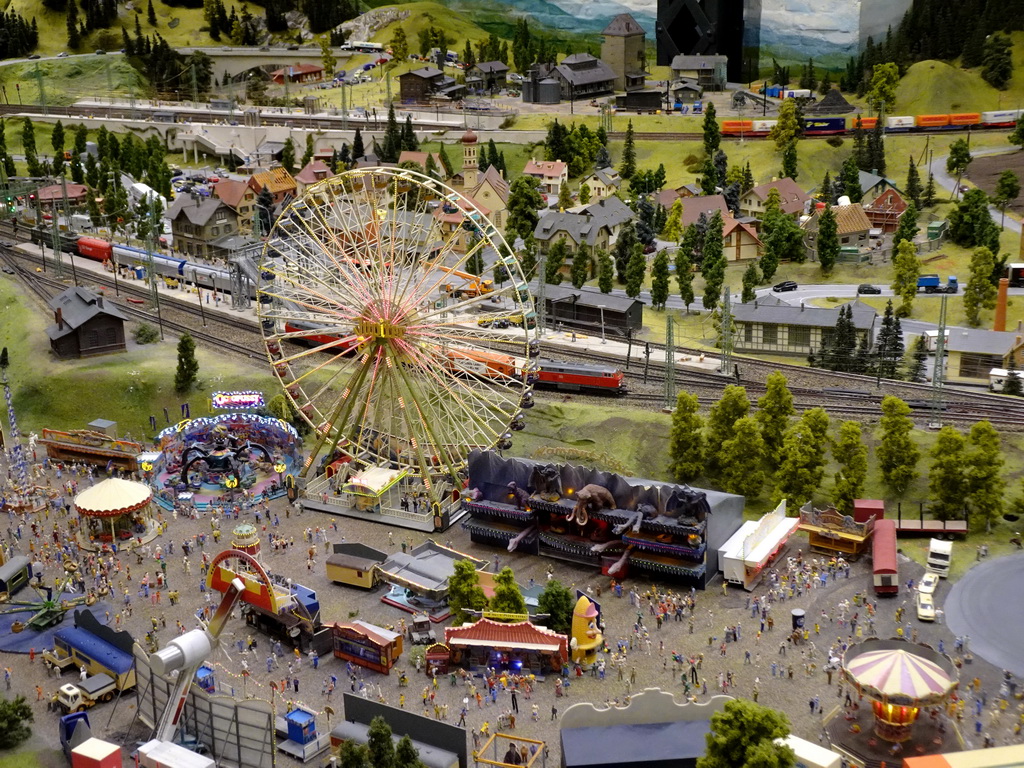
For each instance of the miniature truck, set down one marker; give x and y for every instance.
(939, 555)
(933, 284)
(421, 633)
(91, 691)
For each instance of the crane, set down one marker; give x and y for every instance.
(184, 654)
(472, 287)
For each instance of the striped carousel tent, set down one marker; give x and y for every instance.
(115, 502)
(900, 675)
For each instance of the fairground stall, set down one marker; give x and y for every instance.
(835, 534)
(114, 511)
(755, 546)
(622, 525)
(91, 447)
(521, 647)
(367, 645)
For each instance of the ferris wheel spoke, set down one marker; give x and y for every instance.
(358, 259)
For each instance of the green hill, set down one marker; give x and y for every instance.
(935, 87)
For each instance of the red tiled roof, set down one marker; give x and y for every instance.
(297, 69)
(549, 169)
(230, 191)
(315, 170)
(495, 634)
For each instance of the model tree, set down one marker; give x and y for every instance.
(288, 155)
(914, 190)
(605, 271)
(751, 277)
(947, 479)
(774, 412)
(636, 269)
(851, 456)
(464, 591)
(623, 249)
(744, 733)
(979, 293)
(906, 269)
(713, 261)
(828, 239)
(556, 601)
(958, 159)
(986, 487)
(802, 464)
(742, 457)
(907, 228)
(353, 755)
(686, 439)
(730, 408)
(628, 165)
(890, 344)
(555, 262)
(898, 454)
(970, 223)
(659, 280)
(916, 361)
(1007, 190)
(580, 271)
(14, 714)
(406, 755)
(1013, 386)
(507, 597)
(187, 374)
(712, 133)
(787, 128)
(380, 744)
(684, 276)
(673, 229)
(524, 200)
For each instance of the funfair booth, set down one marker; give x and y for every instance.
(114, 510)
(755, 546)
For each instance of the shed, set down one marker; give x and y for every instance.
(582, 308)
(85, 325)
(367, 645)
(354, 564)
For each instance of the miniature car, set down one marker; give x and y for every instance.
(925, 607)
(422, 633)
(785, 285)
(62, 55)
(868, 288)
(928, 583)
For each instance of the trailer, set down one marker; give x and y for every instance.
(1015, 274)
(933, 284)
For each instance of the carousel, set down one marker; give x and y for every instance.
(900, 679)
(114, 512)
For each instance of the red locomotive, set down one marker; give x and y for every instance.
(580, 377)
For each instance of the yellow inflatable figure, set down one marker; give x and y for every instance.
(586, 637)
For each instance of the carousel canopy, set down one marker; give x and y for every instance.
(113, 497)
(898, 673)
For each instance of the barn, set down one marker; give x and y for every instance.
(85, 325)
(585, 309)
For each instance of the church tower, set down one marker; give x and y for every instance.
(470, 160)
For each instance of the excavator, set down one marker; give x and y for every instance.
(470, 287)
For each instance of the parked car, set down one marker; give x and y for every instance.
(928, 583)
(33, 56)
(785, 285)
(865, 288)
(62, 55)
(100, 52)
(925, 607)
(293, 47)
(514, 77)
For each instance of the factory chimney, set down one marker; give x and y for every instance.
(1000, 320)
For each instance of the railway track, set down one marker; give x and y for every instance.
(843, 395)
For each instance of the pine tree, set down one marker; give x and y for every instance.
(917, 360)
(774, 412)
(186, 376)
(359, 151)
(564, 198)
(913, 188)
(713, 262)
(890, 344)
(627, 167)
(659, 280)
(850, 178)
(907, 228)
(897, 451)
(748, 179)
(851, 457)
(712, 133)
(409, 141)
(751, 277)
(673, 229)
(605, 271)
(828, 240)
(288, 156)
(636, 269)
(686, 439)
(623, 249)
(928, 200)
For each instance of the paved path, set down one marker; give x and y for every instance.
(980, 605)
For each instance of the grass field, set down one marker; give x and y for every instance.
(67, 80)
(21, 760)
(127, 388)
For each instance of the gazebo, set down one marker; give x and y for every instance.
(900, 678)
(114, 510)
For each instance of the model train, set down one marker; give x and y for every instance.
(838, 126)
(127, 256)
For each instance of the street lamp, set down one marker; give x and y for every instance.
(603, 339)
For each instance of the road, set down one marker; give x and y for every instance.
(946, 181)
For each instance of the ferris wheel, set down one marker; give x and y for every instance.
(414, 318)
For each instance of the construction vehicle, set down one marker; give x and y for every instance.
(470, 287)
(88, 693)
